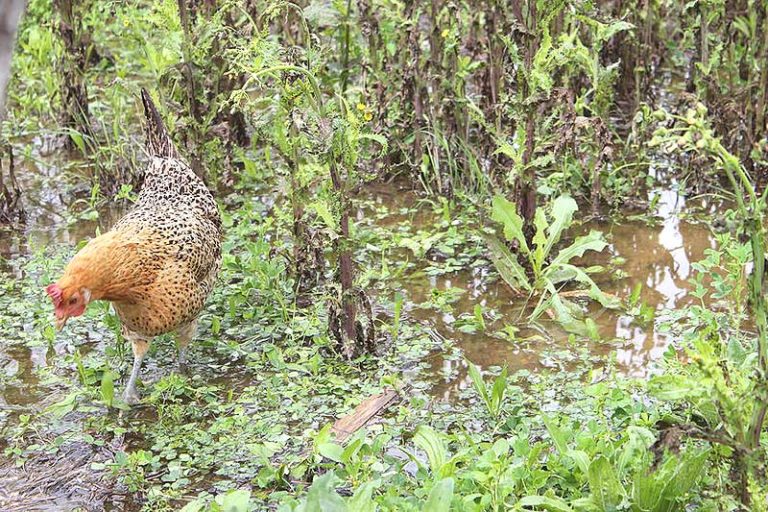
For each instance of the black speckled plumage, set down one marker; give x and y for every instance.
(176, 226)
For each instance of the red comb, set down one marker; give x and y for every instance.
(54, 291)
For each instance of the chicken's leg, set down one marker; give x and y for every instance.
(183, 336)
(140, 346)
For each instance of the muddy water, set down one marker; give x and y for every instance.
(55, 189)
(657, 256)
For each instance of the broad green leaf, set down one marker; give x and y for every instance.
(234, 501)
(563, 209)
(585, 504)
(498, 391)
(646, 491)
(606, 489)
(592, 242)
(362, 500)
(64, 406)
(673, 387)
(477, 381)
(324, 213)
(379, 139)
(440, 497)
(429, 440)
(639, 439)
(505, 212)
(606, 32)
(557, 434)
(687, 472)
(539, 240)
(552, 504)
(108, 387)
(193, 506)
(322, 496)
(564, 312)
(595, 293)
(581, 459)
(507, 265)
(331, 451)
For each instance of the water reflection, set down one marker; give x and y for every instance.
(657, 257)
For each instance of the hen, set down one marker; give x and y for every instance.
(158, 264)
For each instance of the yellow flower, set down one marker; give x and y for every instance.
(361, 107)
(368, 116)
(444, 33)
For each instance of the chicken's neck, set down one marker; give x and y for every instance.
(107, 267)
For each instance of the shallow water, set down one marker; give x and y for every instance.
(658, 256)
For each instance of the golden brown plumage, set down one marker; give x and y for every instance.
(158, 264)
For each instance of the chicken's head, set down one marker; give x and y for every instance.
(67, 302)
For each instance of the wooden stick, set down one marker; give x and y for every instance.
(345, 427)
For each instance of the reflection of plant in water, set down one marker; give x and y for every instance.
(545, 272)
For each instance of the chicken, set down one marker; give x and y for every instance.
(158, 264)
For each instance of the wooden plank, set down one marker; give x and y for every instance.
(345, 427)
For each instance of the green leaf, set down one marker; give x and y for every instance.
(687, 472)
(553, 504)
(673, 387)
(428, 440)
(639, 440)
(505, 212)
(324, 213)
(581, 459)
(322, 496)
(507, 265)
(646, 492)
(562, 308)
(362, 500)
(379, 139)
(606, 489)
(539, 239)
(595, 293)
(477, 382)
(234, 501)
(194, 506)
(440, 496)
(558, 436)
(498, 391)
(108, 387)
(331, 451)
(592, 242)
(606, 32)
(563, 209)
(64, 406)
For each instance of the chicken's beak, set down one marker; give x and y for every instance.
(60, 322)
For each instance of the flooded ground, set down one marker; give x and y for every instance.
(656, 255)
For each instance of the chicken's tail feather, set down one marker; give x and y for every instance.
(159, 142)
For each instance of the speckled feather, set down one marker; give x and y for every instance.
(175, 228)
(175, 232)
(158, 264)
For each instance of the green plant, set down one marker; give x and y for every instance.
(727, 384)
(548, 271)
(492, 396)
